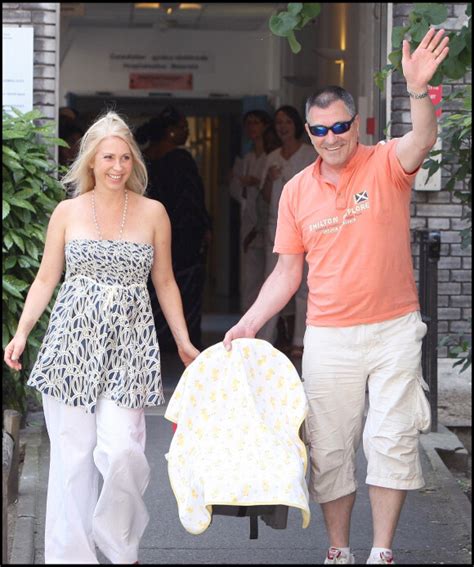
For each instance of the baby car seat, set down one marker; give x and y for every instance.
(236, 450)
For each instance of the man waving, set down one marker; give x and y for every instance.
(349, 212)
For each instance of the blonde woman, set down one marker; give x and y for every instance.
(99, 364)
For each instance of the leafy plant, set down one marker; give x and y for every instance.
(30, 193)
(459, 347)
(285, 22)
(456, 128)
(420, 20)
(456, 134)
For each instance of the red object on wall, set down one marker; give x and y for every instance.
(175, 427)
(370, 125)
(167, 81)
(436, 94)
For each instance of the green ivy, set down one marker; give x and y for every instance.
(456, 128)
(423, 16)
(30, 193)
(456, 135)
(297, 15)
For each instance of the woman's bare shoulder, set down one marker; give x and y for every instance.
(68, 206)
(151, 206)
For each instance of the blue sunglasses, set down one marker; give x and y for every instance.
(337, 128)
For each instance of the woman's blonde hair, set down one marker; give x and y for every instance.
(81, 177)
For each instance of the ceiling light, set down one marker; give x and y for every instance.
(142, 5)
(184, 6)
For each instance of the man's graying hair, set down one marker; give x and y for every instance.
(328, 95)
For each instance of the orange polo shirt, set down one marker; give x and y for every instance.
(356, 237)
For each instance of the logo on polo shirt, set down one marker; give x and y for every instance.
(333, 224)
(359, 197)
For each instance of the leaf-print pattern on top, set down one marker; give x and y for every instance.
(101, 338)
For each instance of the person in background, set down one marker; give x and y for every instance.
(244, 188)
(280, 166)
(349, 212)
(71, 132)
(99, 364)
(174, 180)
(271, 142)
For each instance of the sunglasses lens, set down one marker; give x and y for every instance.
(319, 130)
(340, 127)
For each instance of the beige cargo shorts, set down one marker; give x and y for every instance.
(339, 365)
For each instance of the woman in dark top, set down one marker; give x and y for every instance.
(174, 180)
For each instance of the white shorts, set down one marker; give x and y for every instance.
(338, 364)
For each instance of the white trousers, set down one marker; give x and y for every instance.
(110, 442)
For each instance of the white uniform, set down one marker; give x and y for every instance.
(252, 262)
(289, 168)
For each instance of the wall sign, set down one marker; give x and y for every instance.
(156, 62)
(18, 68)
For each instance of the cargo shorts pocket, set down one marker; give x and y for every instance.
(422, 406)
(305, 433)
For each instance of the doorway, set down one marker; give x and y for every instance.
(214, 141)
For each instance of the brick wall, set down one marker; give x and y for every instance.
(43, 17)
(438, 210)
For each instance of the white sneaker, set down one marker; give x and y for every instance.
(335, 555)
(384, 558)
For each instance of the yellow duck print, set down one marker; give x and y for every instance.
(269, 374)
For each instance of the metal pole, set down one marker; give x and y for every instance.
(430, 246)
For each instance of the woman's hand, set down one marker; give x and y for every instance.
(187, 353)
(13, 351)
(274, 172)
(249, 180)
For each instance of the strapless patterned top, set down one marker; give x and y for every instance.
(101, 338)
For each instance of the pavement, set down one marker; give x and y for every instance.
(434, 528)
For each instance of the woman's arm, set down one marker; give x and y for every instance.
(167, 290)
(42, 288)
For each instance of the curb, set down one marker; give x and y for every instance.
(446, 440)
(23, 545)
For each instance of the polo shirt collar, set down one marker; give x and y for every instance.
(353, 162)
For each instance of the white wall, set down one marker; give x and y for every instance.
(243, 62)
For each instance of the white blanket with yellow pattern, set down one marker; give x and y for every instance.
(237, 442)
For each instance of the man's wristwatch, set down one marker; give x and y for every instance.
(417, 95)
